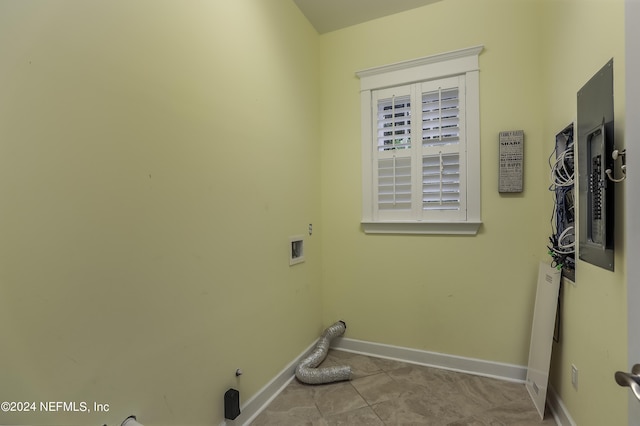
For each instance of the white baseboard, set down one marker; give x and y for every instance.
(502, 371)
(510, 372)
(254, 406)
(559, 411)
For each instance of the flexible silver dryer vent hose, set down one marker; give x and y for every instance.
(307, 372)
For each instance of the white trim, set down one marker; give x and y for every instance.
(258, 402)
(560, 413)
(472, 121)
(478, 367)
(421, 69)
(413, 227)
(631, 199)
(367, 154)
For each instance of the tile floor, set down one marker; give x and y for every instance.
(385, 392)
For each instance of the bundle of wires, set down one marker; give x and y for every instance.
(562, 240)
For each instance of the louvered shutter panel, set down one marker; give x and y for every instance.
(394, 183)
(393, 158)
(440, 117)
(441, 182)
(394, 123)
(443, 150)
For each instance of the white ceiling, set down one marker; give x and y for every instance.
(331, 15)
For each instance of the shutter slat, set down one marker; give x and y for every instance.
(394, 123)
(440, 117)
(441, 182)
(394, 183)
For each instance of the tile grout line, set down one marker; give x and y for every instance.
(378, 387)
(365, 399)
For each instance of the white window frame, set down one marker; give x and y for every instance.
(460, 62)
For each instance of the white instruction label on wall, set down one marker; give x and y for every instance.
(511, 161)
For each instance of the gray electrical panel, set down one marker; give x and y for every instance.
(596, 192)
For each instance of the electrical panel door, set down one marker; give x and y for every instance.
(595, 190)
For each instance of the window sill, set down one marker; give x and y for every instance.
(412, 227)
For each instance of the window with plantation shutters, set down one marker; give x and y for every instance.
(421, 145)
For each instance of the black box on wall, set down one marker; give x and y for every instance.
(231, 404)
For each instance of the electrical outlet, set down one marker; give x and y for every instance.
(574, 376)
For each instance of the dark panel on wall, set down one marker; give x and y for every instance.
(595, 145)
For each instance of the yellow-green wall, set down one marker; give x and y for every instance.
(473, 296)
(155, 158)
(468, 296)
(593, 332)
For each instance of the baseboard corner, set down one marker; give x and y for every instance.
(558, 409)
